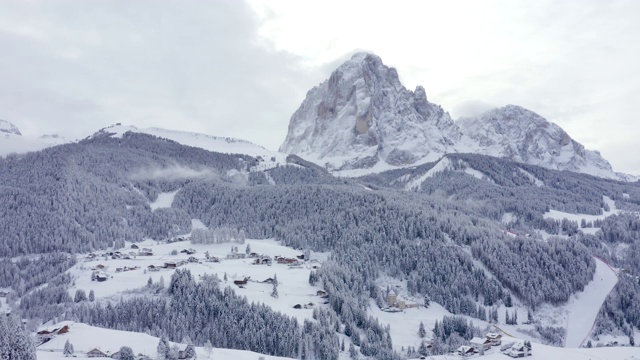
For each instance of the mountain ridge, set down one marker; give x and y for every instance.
(363, 119)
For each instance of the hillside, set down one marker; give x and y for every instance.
(508, 246)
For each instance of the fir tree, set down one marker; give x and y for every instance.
(126, 353)
(68, 349)
(208, 348)
(353, 353)
(421, 330)
(163, 348)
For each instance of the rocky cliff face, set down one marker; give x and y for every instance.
(518, 134)
(362, 117)
(8, 128)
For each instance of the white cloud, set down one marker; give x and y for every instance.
(234, 69)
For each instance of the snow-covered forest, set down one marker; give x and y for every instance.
(468, 243)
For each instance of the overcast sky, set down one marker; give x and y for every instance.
(240, 69)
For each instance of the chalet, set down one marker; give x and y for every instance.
(119, 269)
(297, 306)
(519, 349)
(182, 262)
(262, 260)
(192, 259)
(145, 253)
(101, 277)
(283, 260)
(153, 268)
(100, 266)
(479, 343)
(300, 257)
(253, 255)
(96, 353)
(322, 293)
(465, 351)
(212, 259)
(241, 283)
(170, 265)
(235, 255)
(495, 338)
(134, 246)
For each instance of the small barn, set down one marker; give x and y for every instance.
(96, 353)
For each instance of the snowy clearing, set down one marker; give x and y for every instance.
(583, 307)
(559, 215)
(164, 200)
(293, 286)
(85, 338)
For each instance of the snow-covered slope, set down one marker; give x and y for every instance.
(521, 135)
(223, 145)
(85, 338)
(362, 115)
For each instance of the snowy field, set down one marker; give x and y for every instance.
(293, 287)
(559, 215)
(85, 338)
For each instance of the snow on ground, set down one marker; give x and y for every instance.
(545, 352)
(578, 315)
(559, 215)
(164, 200)
(293, 286)
(197, 224)
(532, 177)
(211, 143)
(442, 165)
(583, 307)
(85, 338)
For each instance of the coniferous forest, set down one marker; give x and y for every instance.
(87, 196)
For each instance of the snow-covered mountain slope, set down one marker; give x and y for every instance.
(223, 145)
(363, 120)
(518, 134)
(12, 141)
(362, 115)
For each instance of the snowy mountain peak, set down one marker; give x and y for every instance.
(363, 115)
(8, 128)
(362, 120)
(521, 135)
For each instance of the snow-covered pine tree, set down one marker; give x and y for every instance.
(126, 353)
(208, 348)
(68, 349)
(163, 348)
(190, 352)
